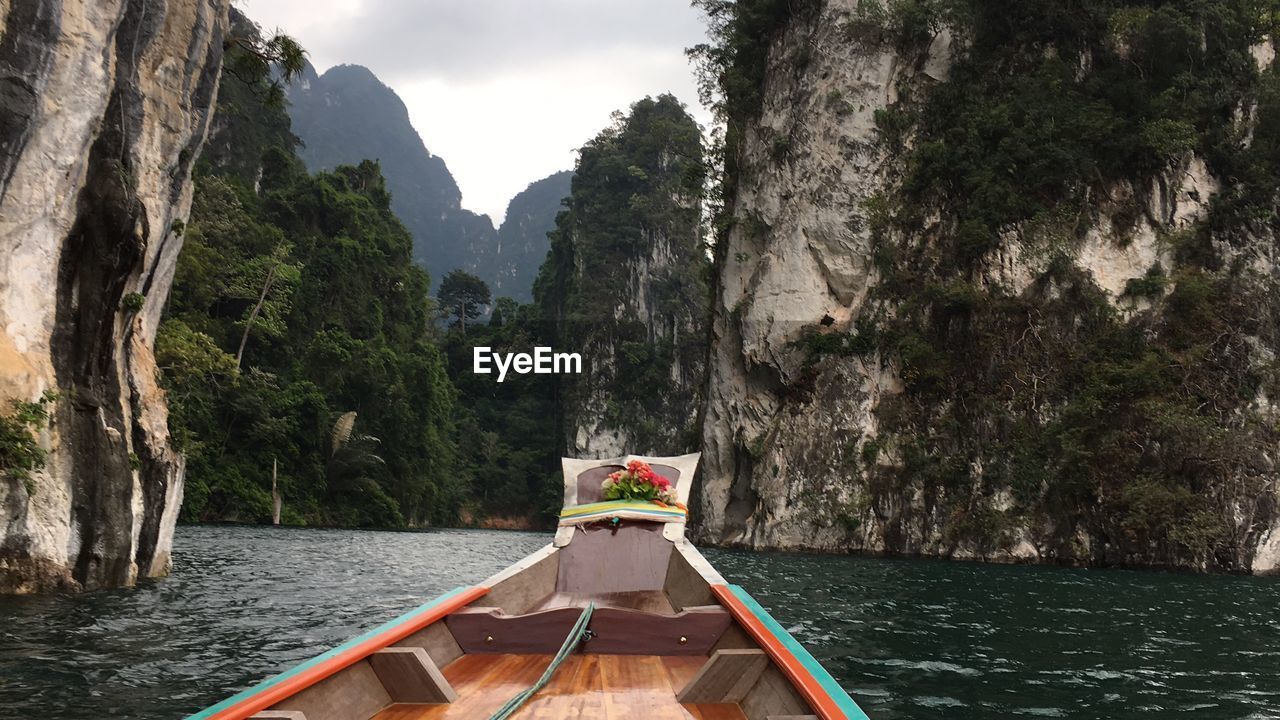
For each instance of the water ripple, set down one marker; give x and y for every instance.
(1027, 641)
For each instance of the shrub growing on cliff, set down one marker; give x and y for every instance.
(1051, 101)
(20, 453)
(1137, 430)
(133, 302)
(1152, 284)
(264, 64)
(731, 68)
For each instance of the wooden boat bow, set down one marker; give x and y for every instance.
(668, 638)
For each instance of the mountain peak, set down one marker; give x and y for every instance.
(347, 115)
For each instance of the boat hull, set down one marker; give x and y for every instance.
(629, 641)
(620, 617)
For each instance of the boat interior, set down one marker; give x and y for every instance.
(660, 644)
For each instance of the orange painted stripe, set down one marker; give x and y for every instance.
(797, 673)
(303, 680)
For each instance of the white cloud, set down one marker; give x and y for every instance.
(503, 90)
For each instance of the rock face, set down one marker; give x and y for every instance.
(103, 108)
(792, 260)
(511, 265)
(811, 438)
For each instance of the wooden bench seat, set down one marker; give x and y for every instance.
(616, 631)
(649, 601)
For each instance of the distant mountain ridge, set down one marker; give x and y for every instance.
(347, 115)
(522, 240)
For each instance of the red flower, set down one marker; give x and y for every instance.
(638, 477)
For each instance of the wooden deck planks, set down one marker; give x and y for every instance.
(635, 683)
(682, 668)
(587, 687)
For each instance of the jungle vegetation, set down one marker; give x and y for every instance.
(299, 341)
(302, 349)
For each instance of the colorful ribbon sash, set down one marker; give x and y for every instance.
(653, 511)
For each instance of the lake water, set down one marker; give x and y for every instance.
(908, 639)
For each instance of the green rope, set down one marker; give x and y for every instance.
(576, 636)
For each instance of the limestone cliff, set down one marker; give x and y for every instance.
(624, 286)
(511, 265)
(104, 105)
(1084, 374)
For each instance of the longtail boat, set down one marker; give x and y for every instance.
(619, 617)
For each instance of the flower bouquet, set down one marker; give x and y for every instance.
(639, 482)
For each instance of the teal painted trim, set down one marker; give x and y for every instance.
(819, 673)
(269, 682)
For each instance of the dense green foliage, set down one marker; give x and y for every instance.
(1132, 426)
(1118, 429)
(624, 282)
(1052, 100)
(296, 303)
(241, 130)
(508, 446)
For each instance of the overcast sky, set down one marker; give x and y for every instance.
(504, 90)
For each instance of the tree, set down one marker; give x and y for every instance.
(276, 304)
(464, 295)
(250, 57)
(504, 312)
